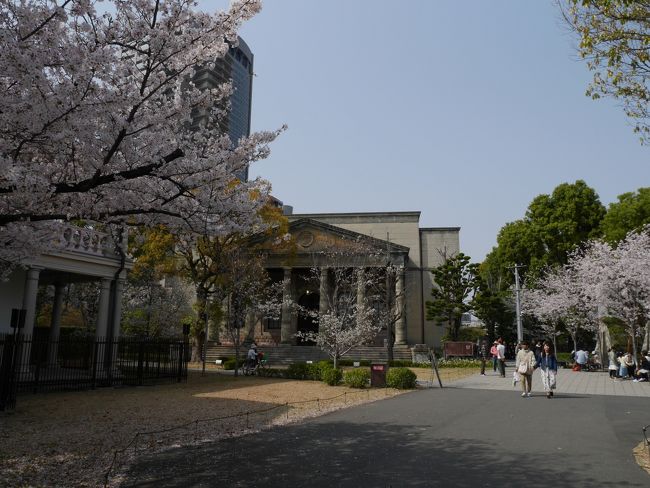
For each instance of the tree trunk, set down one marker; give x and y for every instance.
(237, 358)
(336, 360)
(575, 341)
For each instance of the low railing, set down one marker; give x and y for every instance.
(33, 364)
(86, 240)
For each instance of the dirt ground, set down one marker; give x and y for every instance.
(71, 438)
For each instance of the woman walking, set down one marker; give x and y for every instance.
(525, 364)
(547, 363)
(613, 367)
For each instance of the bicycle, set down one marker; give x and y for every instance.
(250, 369)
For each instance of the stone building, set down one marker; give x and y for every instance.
(407, 245)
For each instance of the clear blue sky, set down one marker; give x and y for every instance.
(463, 110)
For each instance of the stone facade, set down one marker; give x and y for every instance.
(398, 233)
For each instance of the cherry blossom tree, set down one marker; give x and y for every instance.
(353, 305)
(619, 279)
(96, 120)
(559, 295)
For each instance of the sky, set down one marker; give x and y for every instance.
(464, 111)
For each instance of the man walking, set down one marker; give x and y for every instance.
(501, 357)
(483, 355)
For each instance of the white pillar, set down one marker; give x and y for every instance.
(323, 302)
(286, 329)
(400, 308)
(117, 311)
(29, 299)
(29, 304)
(102, 310)
(55, 325)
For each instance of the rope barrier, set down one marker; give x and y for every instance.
(134, 441)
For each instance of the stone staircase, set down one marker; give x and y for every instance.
(284, 354)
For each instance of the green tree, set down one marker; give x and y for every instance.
(615, 40)
(457, 281)
(554, 225)
(631, 212)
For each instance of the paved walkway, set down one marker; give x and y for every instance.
(461, 436)
(571, 382)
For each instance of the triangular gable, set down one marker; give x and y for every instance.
(312, 236)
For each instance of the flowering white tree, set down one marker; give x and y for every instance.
(541, 304)
(95, 119)
(621, 277)
(353, 304)
(559, 295)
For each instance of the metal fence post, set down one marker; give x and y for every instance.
(140, 362)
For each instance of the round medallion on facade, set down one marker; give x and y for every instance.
(305, 239)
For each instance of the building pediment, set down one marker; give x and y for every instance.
(311, 239)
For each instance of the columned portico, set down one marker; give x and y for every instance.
(287, 334)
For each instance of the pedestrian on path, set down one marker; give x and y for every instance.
(627, 366)
(495, 356)
(501, 356)
(613, 367)
(547, 363)
(525, 364)
(483, 355)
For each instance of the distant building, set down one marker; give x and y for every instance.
(235, 67)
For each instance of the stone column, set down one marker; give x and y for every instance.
(323, 303)
(361, 293)
(55, 326)
(29, 304)
(101, 327)
(117, 310)
(400, 308)
(29, 299)
(286, 329)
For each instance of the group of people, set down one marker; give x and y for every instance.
(543, 358)
(623, 366)
(526, 361)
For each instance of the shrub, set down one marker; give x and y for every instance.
(314, 372)
(332, 376)
(298, 371)
(357, 378)
(400, 378)
(231, 363)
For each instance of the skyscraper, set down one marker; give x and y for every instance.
(236, 67)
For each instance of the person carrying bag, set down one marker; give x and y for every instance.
(525, 364)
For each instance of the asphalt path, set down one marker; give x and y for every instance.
(449, 437)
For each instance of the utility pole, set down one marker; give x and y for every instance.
(520, 329)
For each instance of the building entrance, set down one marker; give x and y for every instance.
(308, 301)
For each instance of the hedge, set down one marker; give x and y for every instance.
(400, 378)
(357, 378)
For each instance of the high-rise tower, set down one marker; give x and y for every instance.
(236, 67)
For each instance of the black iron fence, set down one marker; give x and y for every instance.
(33, 364)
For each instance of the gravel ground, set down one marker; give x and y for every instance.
(70, 439)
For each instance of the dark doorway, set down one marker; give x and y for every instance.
(309, 301)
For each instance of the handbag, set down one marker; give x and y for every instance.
(523, 368)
